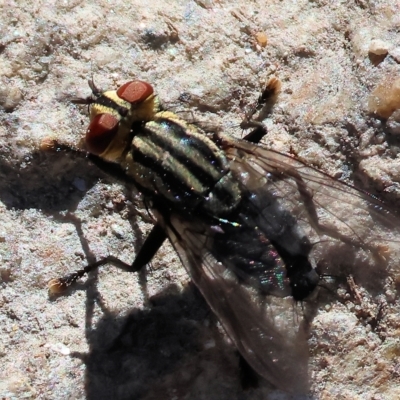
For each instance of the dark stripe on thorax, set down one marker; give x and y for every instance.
(109, 103)
(179, 144)
(171, 181)
(188, 140)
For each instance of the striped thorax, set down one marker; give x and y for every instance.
(166, 156)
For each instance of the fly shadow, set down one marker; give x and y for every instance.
(170, 350)
(50, 181)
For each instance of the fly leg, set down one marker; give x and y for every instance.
(307, 199)
(257, 133)
(152, 243)
(264, 104)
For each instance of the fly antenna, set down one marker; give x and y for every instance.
(96, 92)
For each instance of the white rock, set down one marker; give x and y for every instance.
(378, 47)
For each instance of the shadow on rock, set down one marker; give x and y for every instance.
(50, 181)
(168, 351)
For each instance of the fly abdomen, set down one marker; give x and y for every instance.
(263, 241)
(176, 160)
(287, 237)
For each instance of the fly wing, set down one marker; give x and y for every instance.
(263, 328)
(331, 223)
(330, 212)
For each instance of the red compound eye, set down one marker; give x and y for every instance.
(102, 130)
(135, 91)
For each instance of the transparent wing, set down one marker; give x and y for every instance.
(265, 329)
(348, 227)
(304, 213)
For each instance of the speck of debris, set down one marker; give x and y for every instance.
(385, 98)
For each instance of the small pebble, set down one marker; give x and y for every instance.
(378, 47)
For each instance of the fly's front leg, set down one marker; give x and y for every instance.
(152, 243)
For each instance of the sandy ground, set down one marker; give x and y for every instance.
(150, 335)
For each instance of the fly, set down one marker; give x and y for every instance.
(249, 224)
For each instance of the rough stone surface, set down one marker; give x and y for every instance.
(150, 335)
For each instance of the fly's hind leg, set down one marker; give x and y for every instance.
(309, 205)
(152, 243)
